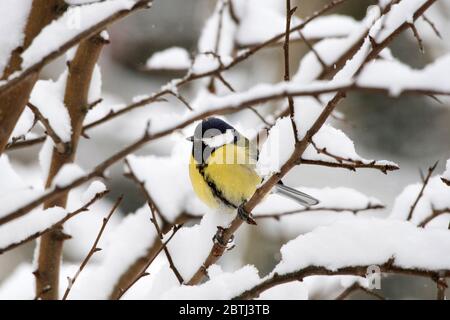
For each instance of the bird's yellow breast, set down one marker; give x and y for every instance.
(227, 178)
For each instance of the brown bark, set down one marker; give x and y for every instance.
(76, 101)
(14, 100)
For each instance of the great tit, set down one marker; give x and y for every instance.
(222, 169)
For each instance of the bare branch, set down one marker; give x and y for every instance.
(424, 185)
(279, 215)
(93, 249)
(60, 145)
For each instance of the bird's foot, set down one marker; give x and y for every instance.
(220, 241)
(244, 215)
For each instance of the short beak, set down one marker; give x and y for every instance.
(191, 138)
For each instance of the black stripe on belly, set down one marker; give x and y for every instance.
(216, 192)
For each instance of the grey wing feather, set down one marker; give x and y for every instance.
(295, 195)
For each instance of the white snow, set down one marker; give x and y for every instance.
(14, 191)
(208, 38)
(365, 242)
(400, 13)
(172, 58)
(25, 226)
(48, 97)
(402, 77)
(199, 237)
(73, 22)
(277, 149)
(261, 23)
(436, 196)
(446, 174)
(221, 286)
(287, 291)
(12, 26)
(338, 144)
(23, 126)
(67, 174)
(95, 188)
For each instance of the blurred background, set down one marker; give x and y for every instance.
(411, 131)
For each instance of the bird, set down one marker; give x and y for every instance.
(222, 169)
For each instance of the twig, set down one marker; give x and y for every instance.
(93, 250)
(144, 273)
(289, 14)
(446, 181)
(417, 36)
(69, 216)
(313, 50)
(279, 215)
(424, 185)
(352, 166)
(435, 213)
(432, 25)
(60, 145)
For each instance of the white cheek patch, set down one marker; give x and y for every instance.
(219, 140)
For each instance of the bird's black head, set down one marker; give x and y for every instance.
(207, 129)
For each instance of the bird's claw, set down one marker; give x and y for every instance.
(219, 240)
(244, 215)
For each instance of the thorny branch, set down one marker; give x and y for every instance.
(93, 249)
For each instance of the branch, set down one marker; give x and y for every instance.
(93, 250)
(69, 216)
(446, 181)
(60, 145)
(279, 215)
(424, 185)
(147, 265)
(352, 166)
(289, 14)
(361, 271)
(80, 70)
(349, 163)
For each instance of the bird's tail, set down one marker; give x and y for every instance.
(293, 194)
